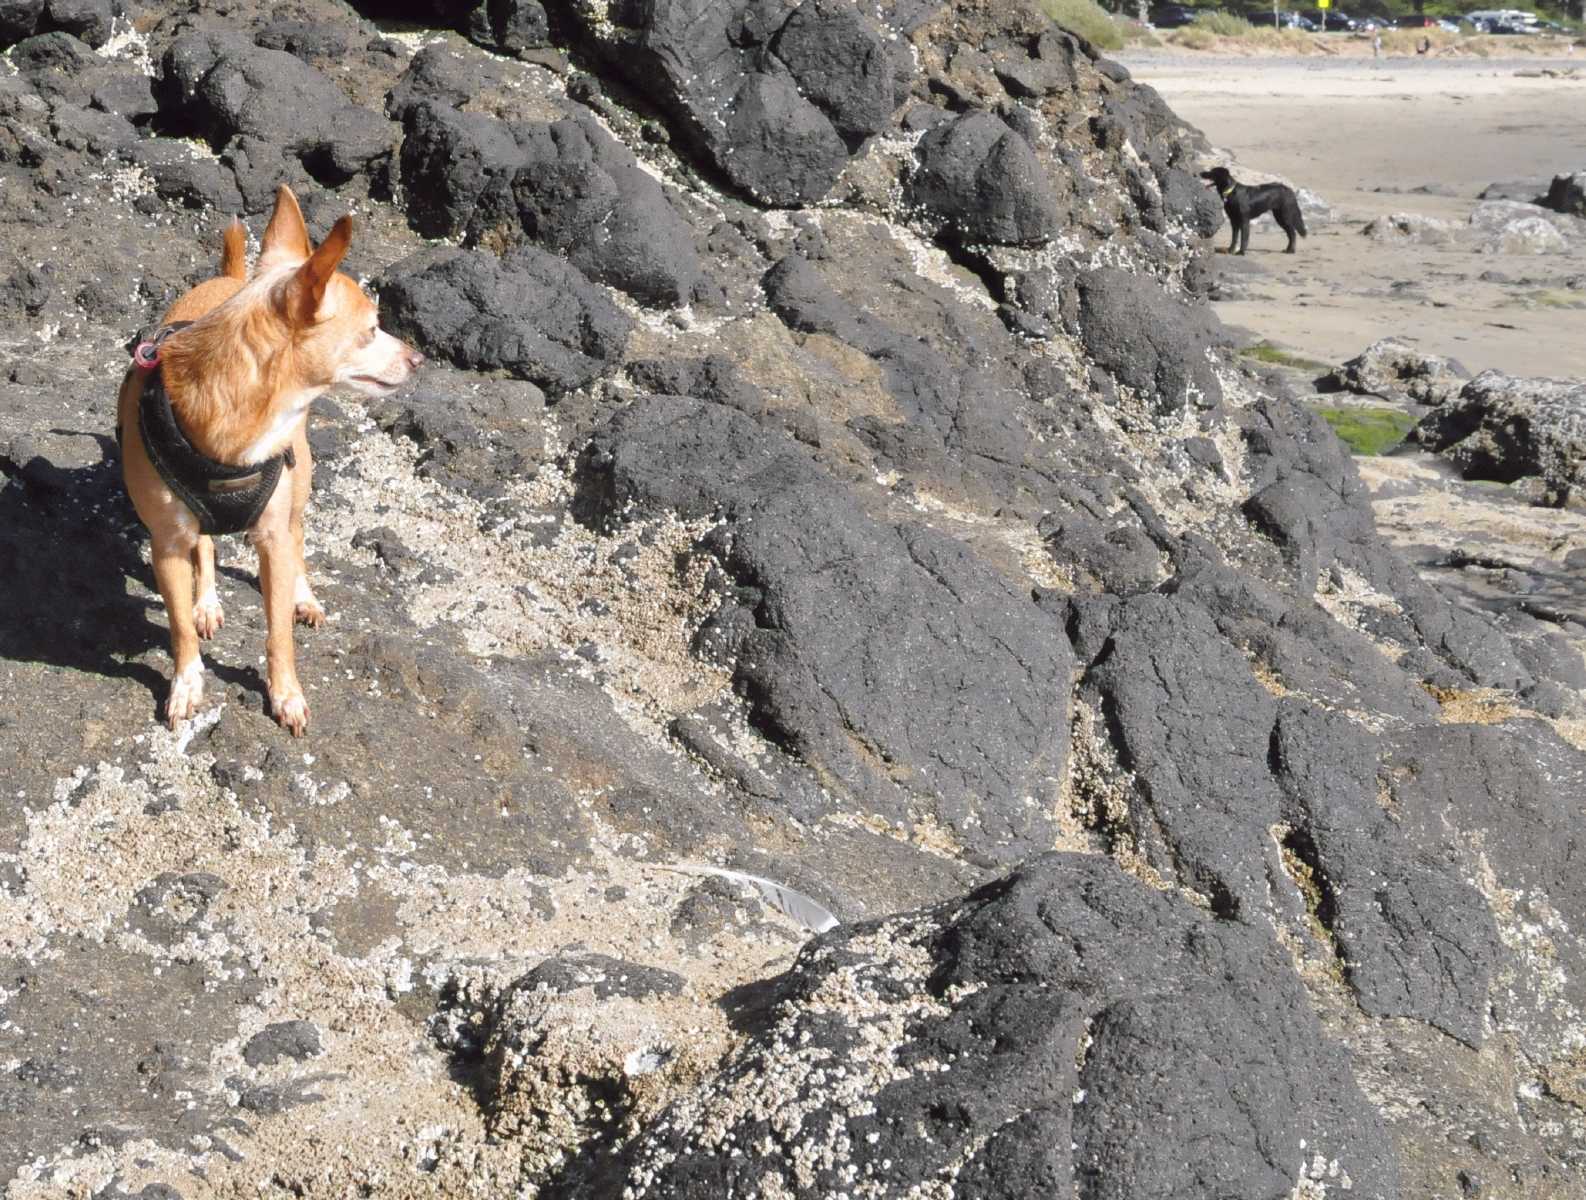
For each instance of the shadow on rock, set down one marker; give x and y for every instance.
(68, 546)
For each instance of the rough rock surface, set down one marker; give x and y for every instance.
(1505, 429)
(1061, 1029)
(1396, 371)
(566, 186)
(826, 478)
(528, 313)
(1411, 227)
(1566, 194)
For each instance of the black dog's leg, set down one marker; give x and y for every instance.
(1244, 237)
(1288, 229)
(1233, 246)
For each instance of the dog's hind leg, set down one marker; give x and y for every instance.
(306, 610)
(174, 553)
(207, 615)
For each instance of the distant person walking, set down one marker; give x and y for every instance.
(1376, 46)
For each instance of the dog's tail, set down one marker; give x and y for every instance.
(1299, 222)
(234, 257)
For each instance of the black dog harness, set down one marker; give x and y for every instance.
(223, 497)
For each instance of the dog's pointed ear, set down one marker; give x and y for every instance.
(305, 291)
(286, 236)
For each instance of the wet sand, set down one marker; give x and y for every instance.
(1343, 127)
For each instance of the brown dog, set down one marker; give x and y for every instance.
(237, 367)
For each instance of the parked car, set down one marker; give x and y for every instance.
(1416, 21)
(1283, 20)
(1334, 21)
(1173, 16)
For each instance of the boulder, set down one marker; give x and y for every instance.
(841, 63)
(942, 688)
(1396, 371)
(527, 313)
(185, 174)
(949, 406)
(1503, 429)
(774, 95)
(1411, 228)
(567, 186)
(508, 26)
(307, 40)
(1064, 1029)
(19, 19)
(87, 20)
(1149, 341)
(220, 85)
(1566, 194)
(1529, 235)
(983, 180)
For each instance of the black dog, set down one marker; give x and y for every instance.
(1244, 204)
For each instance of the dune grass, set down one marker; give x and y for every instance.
(1213, 30)
(1223, 24)
(1088, 19)
(1368, 431)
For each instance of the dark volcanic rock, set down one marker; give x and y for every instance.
(1215, 785)
(870, 583)
(1566, 194)
(605, 975)
(940, 688)
(19, 19)
(774, 126)
(307, 40)
(1504, 429)
(983, 179)
(527, 313)
(715, 377)
(1416, 940)
(58, 65)
(508, 26)
(220, 85)
(450, 158)
(1148, 340)
(841, 63)
(89, 21)
(568, 187)
(949, 406)
(282, 1039)
(503, 26)
(1066, 1027)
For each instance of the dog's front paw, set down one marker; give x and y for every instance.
(305, 609)
(291, 709)
(187, 690)
(208, 619)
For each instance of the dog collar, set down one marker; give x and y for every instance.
(1229, 192)
(223, 497)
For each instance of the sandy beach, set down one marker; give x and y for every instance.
(1363, 134)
